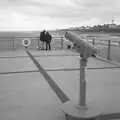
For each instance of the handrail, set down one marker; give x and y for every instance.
(34, 37)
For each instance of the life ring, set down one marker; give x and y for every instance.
(26, 42)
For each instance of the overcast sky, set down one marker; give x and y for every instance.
(52, 14)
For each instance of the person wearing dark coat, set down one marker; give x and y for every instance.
(42, 38)
(48, 41)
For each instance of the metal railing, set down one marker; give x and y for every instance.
(109, 49)
(16, 43)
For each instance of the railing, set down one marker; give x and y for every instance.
(109, 49)
(16, 43)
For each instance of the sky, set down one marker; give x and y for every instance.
(56, 14)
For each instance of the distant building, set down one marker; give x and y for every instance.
(87, 27)
(112, 25)
(82, 27)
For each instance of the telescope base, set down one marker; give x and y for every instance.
(73, 111)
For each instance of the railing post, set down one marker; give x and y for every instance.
(119, 43)
(38, 44)
(61, 42)
(82, 96)
(93, 41)
(108, 56)
(13, 44)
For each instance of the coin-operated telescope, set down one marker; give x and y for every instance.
(86, 49)
(81, 110)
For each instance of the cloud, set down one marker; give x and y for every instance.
(38, 14)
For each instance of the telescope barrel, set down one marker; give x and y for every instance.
(74, 39)
(83, 46)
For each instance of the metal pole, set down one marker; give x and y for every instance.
(61, 42)
(38, 44)
(93, 41)
(108, 57)
(119, 43)
(13, 44)
(82, 99)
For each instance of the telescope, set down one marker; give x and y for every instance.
(82, 46)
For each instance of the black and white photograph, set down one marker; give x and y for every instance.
(59, 59)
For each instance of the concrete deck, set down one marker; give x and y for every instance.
(27, 96)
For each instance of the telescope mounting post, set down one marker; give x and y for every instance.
(83, 63)
(82, 96)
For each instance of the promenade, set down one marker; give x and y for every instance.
(25, 93)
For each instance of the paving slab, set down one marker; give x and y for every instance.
(13, 53)
(18, 64)
(103, 85)
(53, 53)
(66, 59)
(27, 97)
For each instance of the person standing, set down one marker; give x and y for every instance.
(48, 39)
(42, 38)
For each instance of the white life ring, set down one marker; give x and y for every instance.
(26, 42)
